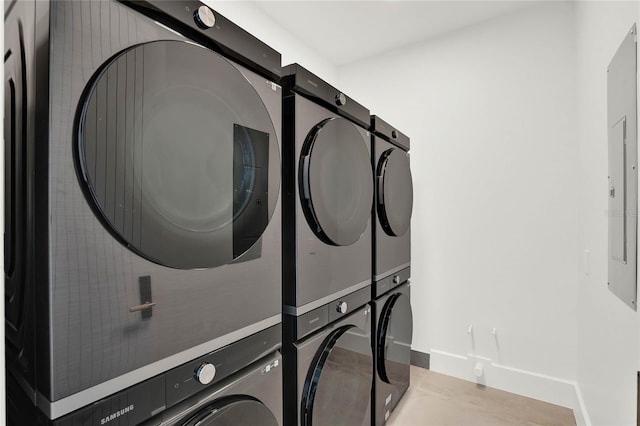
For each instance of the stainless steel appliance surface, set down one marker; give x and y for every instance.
(143, 155)
(328, 196)
(240, 384)
(392, 331)
(329, 374)
(393, 207)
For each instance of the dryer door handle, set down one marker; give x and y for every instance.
(138, 308)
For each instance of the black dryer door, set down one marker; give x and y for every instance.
(394, 192)
(178, 155)
(395, 329)
(336, 182)
(338, 386)
(233, 411)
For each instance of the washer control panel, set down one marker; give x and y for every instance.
(192, 377)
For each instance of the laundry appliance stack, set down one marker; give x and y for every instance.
(143, 147)
(328, 196)
(195, 235)
(393, 324)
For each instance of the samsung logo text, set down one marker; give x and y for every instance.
(117, 414)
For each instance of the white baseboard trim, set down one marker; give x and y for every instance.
(545, 388)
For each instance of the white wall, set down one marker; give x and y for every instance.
(607, 356)
(263, 27)
(491, 113)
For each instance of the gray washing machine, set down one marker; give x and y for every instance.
(143, 193)
(393, 207)
(392, 331)
(328, 197)
(240, 384)
(329, 374)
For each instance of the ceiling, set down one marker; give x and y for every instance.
(348, 31)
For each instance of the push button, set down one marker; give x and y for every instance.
(204, 17)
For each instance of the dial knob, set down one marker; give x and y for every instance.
(205, 373)
(394, 134)
(341, 307)
(396, 279)
(341, 99)
(204, 17)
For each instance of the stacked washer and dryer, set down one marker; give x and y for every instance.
(327, 201)
(393, 325)
(143, 260)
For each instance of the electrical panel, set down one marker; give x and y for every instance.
(623, 170)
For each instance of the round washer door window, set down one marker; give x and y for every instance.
(178, 155)
(234, 411)
(395, 332)
(338, 386)
(336, 182)
(395, 192)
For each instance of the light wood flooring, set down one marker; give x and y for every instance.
(436, 399)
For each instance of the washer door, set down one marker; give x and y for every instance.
(336, 182)
(338, 387)
(394, 191)
(234, 411)
(395, 329)
(178, 155)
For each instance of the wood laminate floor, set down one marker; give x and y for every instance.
(436, 399)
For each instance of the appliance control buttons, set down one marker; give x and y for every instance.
(341, 307)
(341, 99)
(204, 17)
(394, 134)
(396, 279)
(205, 373)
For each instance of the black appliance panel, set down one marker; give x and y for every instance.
(301, 80)
(223, 36)
(389, 133)
(253, 396)
(155, 142)
(383, 285)
(393, 337)
(395, 192)
(335, 182)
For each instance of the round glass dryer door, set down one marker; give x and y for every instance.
(234, 411)
(395, 192)
(394, 340)
(178, 155)
(338, 387)
(336, 182)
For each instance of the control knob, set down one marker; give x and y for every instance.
(341, 307)
(205, 373)
(341, 99)
(396, 279)
(204, 17)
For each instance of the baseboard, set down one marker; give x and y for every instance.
(580, 409)
(420, 359)
(545, 388)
